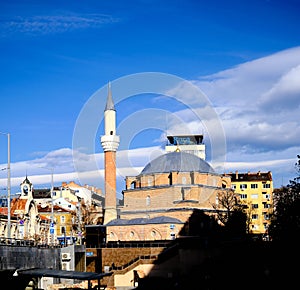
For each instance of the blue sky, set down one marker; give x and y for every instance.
(57, 56)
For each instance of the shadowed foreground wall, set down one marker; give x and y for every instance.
(14, 257)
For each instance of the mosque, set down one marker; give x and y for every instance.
(159, 201)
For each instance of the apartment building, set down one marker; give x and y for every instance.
(256, 191)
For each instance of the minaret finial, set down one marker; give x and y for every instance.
(109, 103)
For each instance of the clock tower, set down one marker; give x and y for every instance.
(110, 143)
(26, 189)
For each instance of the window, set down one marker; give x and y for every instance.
(266, 185)
(233, 186)
(255, 216)
(266, 216)
(170, 179)
(243, 186)
(62, 219)
(254, 205)
(62, 230)
(148, 200)
(266, 205)
(243, 196)
(254, 185)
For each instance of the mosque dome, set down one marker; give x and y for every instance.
(177, 161)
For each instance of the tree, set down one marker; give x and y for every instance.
(285, 222)
(230, 212)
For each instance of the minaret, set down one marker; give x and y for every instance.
(110, 143)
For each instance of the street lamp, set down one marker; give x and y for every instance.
(8, 184)
(52, 208)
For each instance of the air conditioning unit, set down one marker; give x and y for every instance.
(65, 266)
(65, 256)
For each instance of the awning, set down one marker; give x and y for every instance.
(37, 272)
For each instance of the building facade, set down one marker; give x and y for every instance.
(158, 203)
(256, 192)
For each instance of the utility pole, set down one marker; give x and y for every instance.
(52, 206)
(8, 186)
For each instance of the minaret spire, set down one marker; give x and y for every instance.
(110, 143)
(109, 103)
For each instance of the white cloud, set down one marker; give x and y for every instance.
(49, 24)
(257, 103)
(245, 83)
(39, 170)
(284, 94)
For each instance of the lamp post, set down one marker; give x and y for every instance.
(8, 185)
(52, 207)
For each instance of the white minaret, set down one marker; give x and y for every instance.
(110, 143)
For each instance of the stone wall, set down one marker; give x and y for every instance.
(18, 257)
(119, 260)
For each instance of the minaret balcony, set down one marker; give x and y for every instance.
(110, 142)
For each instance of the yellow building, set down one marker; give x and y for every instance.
(256, 191)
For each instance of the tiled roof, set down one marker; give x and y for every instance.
(250, 176)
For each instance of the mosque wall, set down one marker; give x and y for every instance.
(143, 232)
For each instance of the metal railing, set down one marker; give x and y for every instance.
(131, 244)
(26, 243)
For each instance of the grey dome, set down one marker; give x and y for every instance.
(177, 161)
(140, 221)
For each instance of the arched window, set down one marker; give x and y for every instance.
(111, 235)
(148, 200)
(170, 179)
(133, 185)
